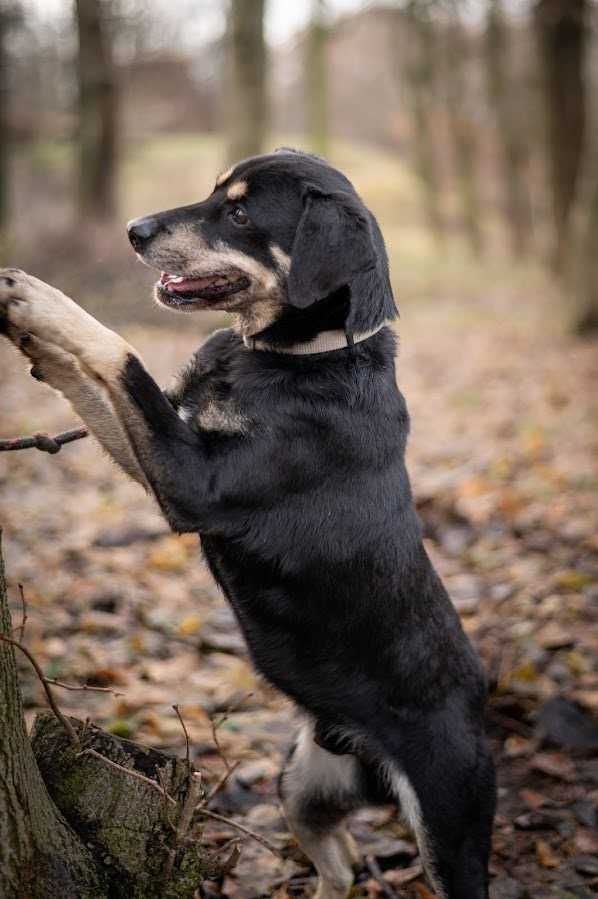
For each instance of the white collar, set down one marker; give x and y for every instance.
(325, 342)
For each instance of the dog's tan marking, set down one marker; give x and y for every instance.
(224, 176)
(222, 417)
(282, 259)
(237, 190)
(42, 310)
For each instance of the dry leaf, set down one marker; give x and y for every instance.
(555, 764)
(546, 855)
(190, 625)
(533, 799)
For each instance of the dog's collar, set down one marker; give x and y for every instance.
(325, 342)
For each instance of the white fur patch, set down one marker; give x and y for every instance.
(402, 788)
(283, 260)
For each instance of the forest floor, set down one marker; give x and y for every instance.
(503, 457)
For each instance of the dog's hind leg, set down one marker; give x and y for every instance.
(449, 804)
(318, 790)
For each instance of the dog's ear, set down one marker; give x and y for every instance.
(333, 245)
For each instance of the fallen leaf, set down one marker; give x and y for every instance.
(546, 855)
(398, 876)
(533, 799)
(170, 555)
(554, 764)
(190, 625)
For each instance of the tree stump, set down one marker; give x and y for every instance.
(73, 825)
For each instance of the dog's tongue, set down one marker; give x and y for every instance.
(180, 284)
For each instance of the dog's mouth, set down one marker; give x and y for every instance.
(179, 290)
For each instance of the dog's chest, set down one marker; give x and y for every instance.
(208, 404)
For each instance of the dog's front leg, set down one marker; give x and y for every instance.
(162, 445)
(61, 371)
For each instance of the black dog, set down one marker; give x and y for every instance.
(283, 446)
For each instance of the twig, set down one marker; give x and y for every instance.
(42, 441)
(86, 688)
(24, 611)
(374, 869)
(222, 782)
(131, 772)
(216, 724)
(250, 833)
(187, 743)
(70, 730)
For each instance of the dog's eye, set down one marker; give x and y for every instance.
(239, 216)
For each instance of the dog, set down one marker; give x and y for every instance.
(283, 445)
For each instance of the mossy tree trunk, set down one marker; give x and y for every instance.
(247, 107)
(74, 826)
(561, 28)
(316, 78)
(417, 56)
(508, 131)
(97, 111)
(40, 855)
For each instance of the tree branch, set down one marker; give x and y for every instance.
(42, 441)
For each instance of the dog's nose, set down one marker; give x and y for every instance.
(142, 230)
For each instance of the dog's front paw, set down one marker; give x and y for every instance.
(28, 305)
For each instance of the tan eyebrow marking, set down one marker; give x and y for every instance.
(224, 176)
(237, 190)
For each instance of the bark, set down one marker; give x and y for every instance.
(72, 825)
(419, 73)
(247, 82)
(586, 317)
(463, 132)
(561, 29)
(40, 855)
(97, 111)
(316, 75)
(509, 132)
(9, 16)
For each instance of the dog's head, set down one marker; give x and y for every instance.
(278, 234)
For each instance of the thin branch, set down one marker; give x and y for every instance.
(375, 871)
(222, 782)
(218, 723)
(250, 833)
(187, 742)
(70, 730)
(85, 688)
(131, 772)
(24, 611)
(42, 441)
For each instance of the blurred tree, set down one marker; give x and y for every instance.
(509, 132)
(561, 29)
(247, 81)
(97, 110)
(418, 69)
(586, 315)
(10, 14)
(316, 74)
(462, 127)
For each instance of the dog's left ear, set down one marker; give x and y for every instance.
(333, 245)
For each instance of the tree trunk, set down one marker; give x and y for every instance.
(463, 132)
(40, 855)
(417, 68)
(74, 826)
(247, 82)
(316, 75)
(586, 317)
(561, 30)
(97, 111)
(9, 16)
(509, 132)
